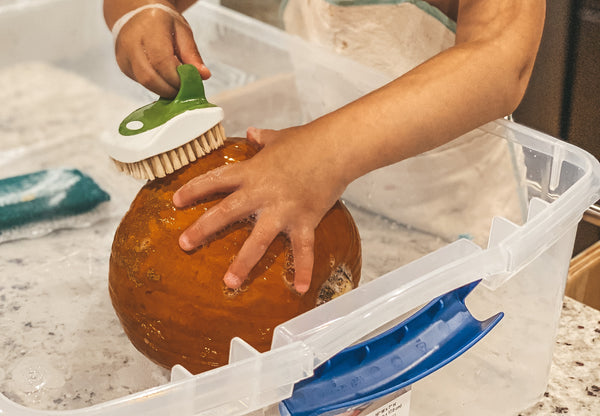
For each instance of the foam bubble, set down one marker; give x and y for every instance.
(32, 374)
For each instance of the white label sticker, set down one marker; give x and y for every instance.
(400, 406)
(393, 404)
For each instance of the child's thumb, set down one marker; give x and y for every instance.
(260, 137)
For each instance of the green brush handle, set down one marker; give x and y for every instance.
(191, 96)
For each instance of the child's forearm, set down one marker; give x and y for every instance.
(480, 79)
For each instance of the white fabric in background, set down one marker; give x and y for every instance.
(393, 38)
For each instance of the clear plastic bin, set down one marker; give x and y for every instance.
(60, 343)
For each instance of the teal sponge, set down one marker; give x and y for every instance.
(47, 195)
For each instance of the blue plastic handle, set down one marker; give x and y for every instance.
(431, 338)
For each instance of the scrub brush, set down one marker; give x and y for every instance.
(161, 137)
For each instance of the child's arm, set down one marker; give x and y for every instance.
(153, 42)
(292, 182)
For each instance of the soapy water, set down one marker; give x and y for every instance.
(34, 373)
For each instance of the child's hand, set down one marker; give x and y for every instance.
(286, 185)
(152, 44)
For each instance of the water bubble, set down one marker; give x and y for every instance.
(33, 374)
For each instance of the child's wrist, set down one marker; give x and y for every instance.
(122, 21)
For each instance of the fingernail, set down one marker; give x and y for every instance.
(205, 69)
(253, 136)
(185, 243)
(176, 200)
(301, 288)
(232, 281)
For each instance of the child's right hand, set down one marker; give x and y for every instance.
(152, 44)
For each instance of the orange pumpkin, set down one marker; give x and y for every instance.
(174, 306)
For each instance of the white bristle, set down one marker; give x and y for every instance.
(175, 160)
(190, 152)
(182, 156)
(166, 163)
(212, 140)
(204, 144)
(158, 167)
(148, 169)
(197, 148)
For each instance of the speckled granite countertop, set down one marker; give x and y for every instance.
(574, 385)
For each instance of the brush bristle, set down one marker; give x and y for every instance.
(166, 163)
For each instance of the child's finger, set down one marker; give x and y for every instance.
(252, 250)
(218, 180)
(303, 243)
(124, 64)
(233, 208)
(187, 49)
(162, 56)
(145, 74)
(261, 137)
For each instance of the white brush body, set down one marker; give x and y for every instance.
(175, 133)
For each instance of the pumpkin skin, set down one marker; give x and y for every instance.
(174, 306)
